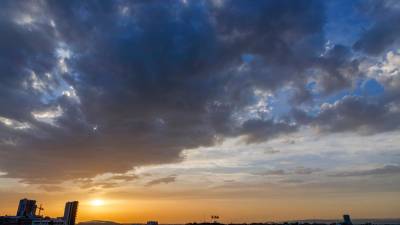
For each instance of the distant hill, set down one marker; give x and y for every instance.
(98, 222)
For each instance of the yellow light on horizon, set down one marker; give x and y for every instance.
(97, 202)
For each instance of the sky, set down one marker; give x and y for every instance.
(178, 110)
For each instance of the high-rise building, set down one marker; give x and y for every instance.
(71, 208)
(27, 208)
(347, 220)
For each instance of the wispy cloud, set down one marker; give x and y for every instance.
(387, 169)
(164, 180)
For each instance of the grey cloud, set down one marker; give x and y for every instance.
(164, 180)
(384, 32)
(339, 67)
(293, 181)
(385, 170)
(353, 113)
(297, 171)
(272, 172)
(306, 171)
(258, 130)
(271, 150)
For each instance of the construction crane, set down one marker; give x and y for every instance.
(40, 209)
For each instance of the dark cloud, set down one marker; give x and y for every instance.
(258, 130)
(164, 180)
(338, 69)
(101, 87)
(388, 169)
(384, 32)
(147, 87)
(354, 113)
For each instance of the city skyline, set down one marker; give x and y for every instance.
(29, 213)
(259, 110)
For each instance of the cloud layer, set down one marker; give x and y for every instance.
(95, 87)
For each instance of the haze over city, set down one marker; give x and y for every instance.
(177, 110)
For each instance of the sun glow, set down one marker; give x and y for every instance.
(97, 202)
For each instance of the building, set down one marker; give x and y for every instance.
(27, 208)
(26, 215)
(71, 209)
(15, 220)
(48, 221)
(347, 220)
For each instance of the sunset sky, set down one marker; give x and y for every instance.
(178, 110)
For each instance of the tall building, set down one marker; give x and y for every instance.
(347, 220)
(71, 208)
(27, 208)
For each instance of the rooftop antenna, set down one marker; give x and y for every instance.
(40, 209)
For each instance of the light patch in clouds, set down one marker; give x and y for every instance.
(63, 54)
(124, 10)
(52, 23)
(24, 19)
(37, 83)
(52, 84)
(8, 141)
(48, 116)
(70, 92)
(260, 109)
(392, 63)
(63, 66)
(14, 124)
(389, 66)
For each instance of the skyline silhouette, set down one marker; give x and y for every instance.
(27, 215)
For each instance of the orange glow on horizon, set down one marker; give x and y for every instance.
(178, 210)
